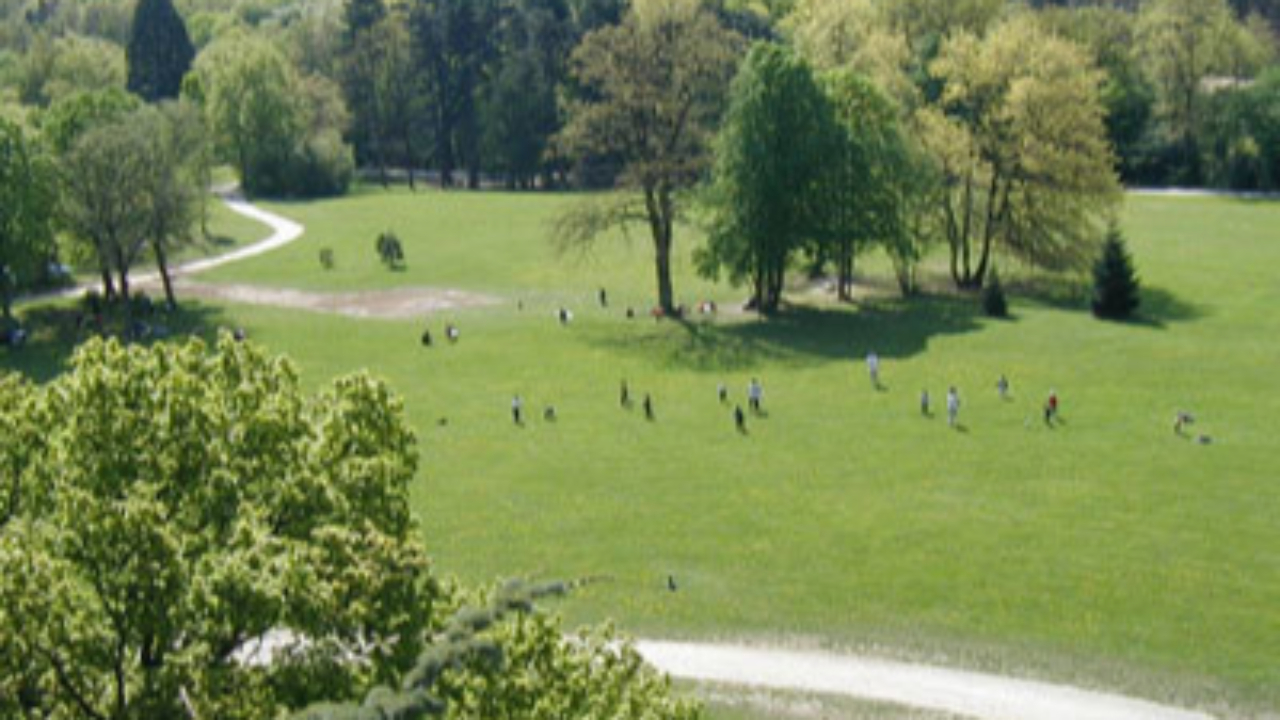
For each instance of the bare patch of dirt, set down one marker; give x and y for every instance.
(396, 304)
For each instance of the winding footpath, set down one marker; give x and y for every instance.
(958, 692)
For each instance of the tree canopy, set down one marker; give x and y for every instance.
(28, 194)
(159, 51)
(653, 89)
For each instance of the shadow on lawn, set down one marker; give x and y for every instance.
(801, 335)
(54, 335)
(1159, 306)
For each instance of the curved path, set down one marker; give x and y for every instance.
(959, 692)
(283, 232)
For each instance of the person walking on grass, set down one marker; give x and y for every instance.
(1051, 408)
(755, 393)
(648, 407)
(953, 406)
(1002, 386)
(517, 405)
(739, 419)
(924, 403)
(722, 393)
(624, 395)
(873, 368)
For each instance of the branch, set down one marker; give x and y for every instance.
(578, 227)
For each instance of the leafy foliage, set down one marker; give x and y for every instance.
(390, 250)
(163, 507)
(652, 90)
(770, 156)
(1019, 135)
(501, 660)
(27, 198)
(1115, 283)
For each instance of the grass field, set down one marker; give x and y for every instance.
(1106, 551)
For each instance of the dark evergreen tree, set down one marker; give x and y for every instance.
(1115, 284)
(159, 52)
(993, 300)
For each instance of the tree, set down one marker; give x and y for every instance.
(282, 132)
(858, 200)
(1019, 136)
(173, 184)
(519, 109)
(28, 196)
(103, 198)
(455, 51)
(652, 92)
(499, 659)
(1182, 42)
(164, 508)
(770, 157)
(159, 51)
(1115, 284)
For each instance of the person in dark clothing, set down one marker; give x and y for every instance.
(739, 418)
(426, 338)
(624, 395)
(648, 407)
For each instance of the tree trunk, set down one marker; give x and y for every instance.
(658, 206)
(6, 294)
(163, 262)
(108, 287)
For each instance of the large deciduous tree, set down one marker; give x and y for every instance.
(1020, 137)
(653, 89)
(770, 159)
(159, 51)
(28, 196)
(163, 508)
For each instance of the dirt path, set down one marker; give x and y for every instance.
(960, 692)
(394, 304)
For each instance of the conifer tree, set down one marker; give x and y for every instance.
(1115, 284)
(159, 52)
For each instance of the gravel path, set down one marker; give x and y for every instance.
(960, 692)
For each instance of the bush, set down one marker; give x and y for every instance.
(390, 250)
(1115, 284)
(993, 300)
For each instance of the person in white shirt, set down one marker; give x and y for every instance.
(953, 406)
(516, 406)
(873, 368)
(755, 393)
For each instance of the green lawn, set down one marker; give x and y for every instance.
(1106, 551)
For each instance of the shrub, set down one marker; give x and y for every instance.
(1115, 284)
(993, 300)
(390, 251)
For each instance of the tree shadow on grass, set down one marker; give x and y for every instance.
(55, 333)
(800, 335)
(1159, 306)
